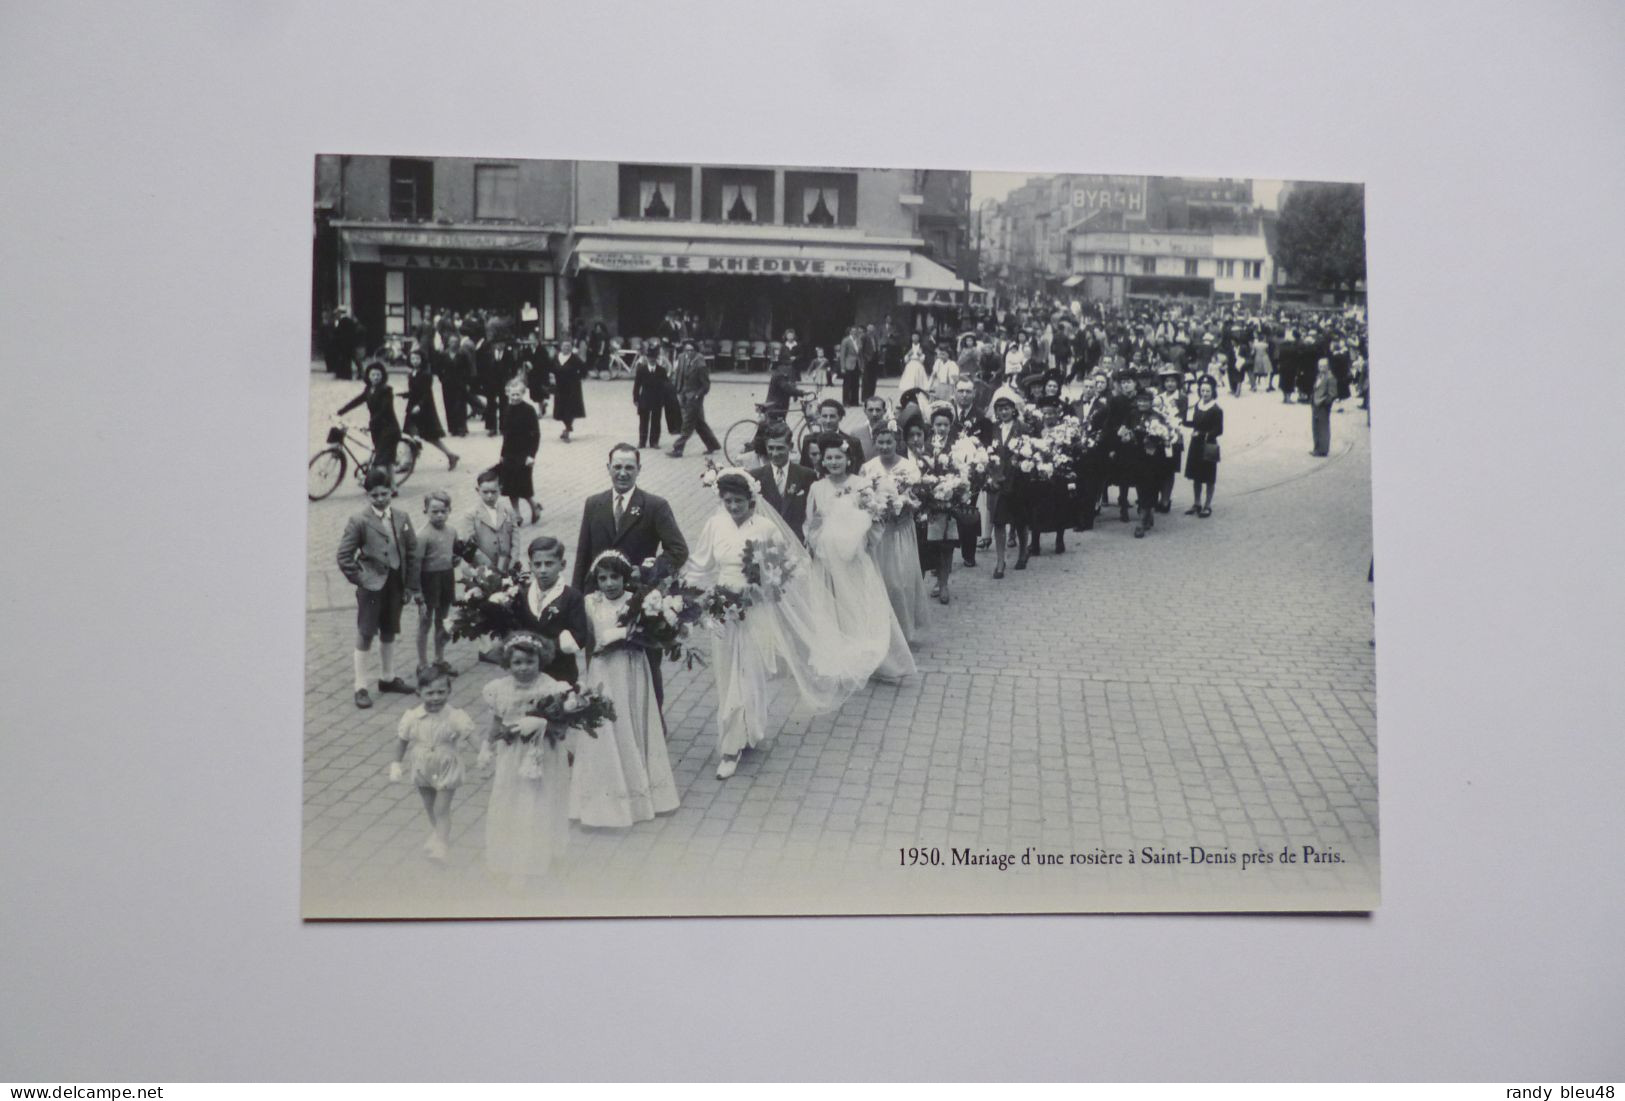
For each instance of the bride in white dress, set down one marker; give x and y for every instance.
(796, 635)
(840, 535)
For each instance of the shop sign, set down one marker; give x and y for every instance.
(918, 297)
(691, 263)
(1125, 193)
(463, 261)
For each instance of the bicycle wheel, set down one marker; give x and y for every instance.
(406, 459)
(325, 472)
(737, 440)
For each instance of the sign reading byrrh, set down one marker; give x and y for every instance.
(702, 264)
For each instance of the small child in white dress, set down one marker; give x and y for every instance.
(527, 825)
(623, 775)
(430, 738)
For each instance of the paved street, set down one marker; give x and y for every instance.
(1210, 686)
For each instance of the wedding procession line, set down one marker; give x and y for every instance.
(815, 580)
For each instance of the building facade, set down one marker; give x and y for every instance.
(399, 237)
(749, 251)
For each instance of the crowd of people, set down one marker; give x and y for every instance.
(1125, 402)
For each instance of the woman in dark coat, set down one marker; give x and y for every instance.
(568, 404)
(1206, 422)
(381, 422)
(521, 436)
(421, 419)
(651, 388)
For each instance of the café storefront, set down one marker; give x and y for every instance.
(392, 277)
(751, 290)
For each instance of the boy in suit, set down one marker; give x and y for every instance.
(830, 413)
(784, 483)
(490, 528)
(378, 554)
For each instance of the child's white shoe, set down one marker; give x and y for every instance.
(728, 767)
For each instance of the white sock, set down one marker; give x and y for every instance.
(386, 659)
(360, 670)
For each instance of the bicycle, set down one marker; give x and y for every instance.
(619, 363)
(326, 468)
(741, 434)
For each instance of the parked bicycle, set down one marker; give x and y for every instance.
(741, 434)
(326, 468)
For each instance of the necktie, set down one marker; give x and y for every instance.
(620, 509)
(778, 477)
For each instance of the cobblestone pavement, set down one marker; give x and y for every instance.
(1210, 686)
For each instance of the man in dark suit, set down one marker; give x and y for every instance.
(784, 483)
(638, 524)
(849, 362)
(871, 348)
(830, 413)
(691, 383)
(496, 367)
(795, 353)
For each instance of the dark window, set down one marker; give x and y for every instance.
(820, 199)
(411, 190)
(656, 191)
(496, 192)
(736, 195)
(1190, 267)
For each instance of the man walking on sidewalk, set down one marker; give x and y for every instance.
(692, 383)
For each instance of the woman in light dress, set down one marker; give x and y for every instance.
(623, 775)
(789, 630)
(897, 553)
(841, 535)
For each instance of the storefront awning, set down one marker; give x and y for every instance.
(449, 247)
(1072, 281)
(931, 284)
(687, 257)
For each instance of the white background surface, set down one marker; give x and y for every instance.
(155, 187)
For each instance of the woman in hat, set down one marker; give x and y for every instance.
(422, 420)
(1171, 402)
(1206, 422)
(1004, 487)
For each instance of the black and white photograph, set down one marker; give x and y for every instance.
(694, 539)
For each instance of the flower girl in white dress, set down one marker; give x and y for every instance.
(623, 775)
(840, 535)
(527, 825)
(789, 629)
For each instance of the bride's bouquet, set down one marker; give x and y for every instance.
(768, 569)
(487, 604)
(1034, 456)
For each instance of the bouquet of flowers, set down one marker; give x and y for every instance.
(888, 497)
(662, 616)
(1034, 456)
(722, 605)
(486, 606)
(768, 568)
(1157, 430)
(581, 709)
(953, 478)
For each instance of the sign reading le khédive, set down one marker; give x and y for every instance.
(701, 264)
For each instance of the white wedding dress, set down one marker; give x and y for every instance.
(797, 636)
(838, 534)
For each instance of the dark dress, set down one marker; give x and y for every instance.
(381, 422)
(568, 404)
(1206, 425)
(521, 436)
(421, 418)
(1007, 489)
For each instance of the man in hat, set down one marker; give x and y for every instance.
(1323, 397)
(692, 383)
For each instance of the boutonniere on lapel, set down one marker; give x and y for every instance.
(550, 612)
(634, 512)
